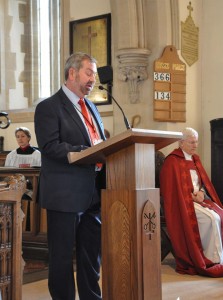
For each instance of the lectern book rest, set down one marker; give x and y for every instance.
(129, 137)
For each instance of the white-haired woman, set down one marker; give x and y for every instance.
(193, 211)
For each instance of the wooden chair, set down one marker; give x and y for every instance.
(166, 246)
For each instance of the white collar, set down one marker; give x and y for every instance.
(187, 156)
(71, 96)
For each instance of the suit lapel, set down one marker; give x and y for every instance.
(71, 110)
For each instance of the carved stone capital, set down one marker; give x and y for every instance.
(132, 68)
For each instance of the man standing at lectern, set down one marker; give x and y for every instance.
(68, 122)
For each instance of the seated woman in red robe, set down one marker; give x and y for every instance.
(193, 211)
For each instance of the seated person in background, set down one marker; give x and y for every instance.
(193, 210)
(25, 155)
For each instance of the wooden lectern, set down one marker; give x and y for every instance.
(131, 259)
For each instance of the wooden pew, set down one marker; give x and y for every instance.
(11, 267)
(34, 239)
(3, 155)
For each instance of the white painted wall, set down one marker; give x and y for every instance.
(86, 9)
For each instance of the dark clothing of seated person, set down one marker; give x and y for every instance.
(193, 210)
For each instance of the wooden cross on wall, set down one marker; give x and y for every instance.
(89, 36)
(190, 8)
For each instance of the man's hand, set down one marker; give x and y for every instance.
(198, 197)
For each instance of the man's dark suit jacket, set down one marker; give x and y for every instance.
(59, 130)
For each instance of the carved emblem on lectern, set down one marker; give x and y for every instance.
(149, 219)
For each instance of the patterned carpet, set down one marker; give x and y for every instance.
(34, 270)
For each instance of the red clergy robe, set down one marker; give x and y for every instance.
(176, 188)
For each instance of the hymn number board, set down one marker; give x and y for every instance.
(169, 87)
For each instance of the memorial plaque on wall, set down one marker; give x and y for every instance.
(169, 87)
(189, 39)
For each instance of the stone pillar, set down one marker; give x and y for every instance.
(129, 44)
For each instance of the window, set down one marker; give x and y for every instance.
(30, 38)
(46, 47)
